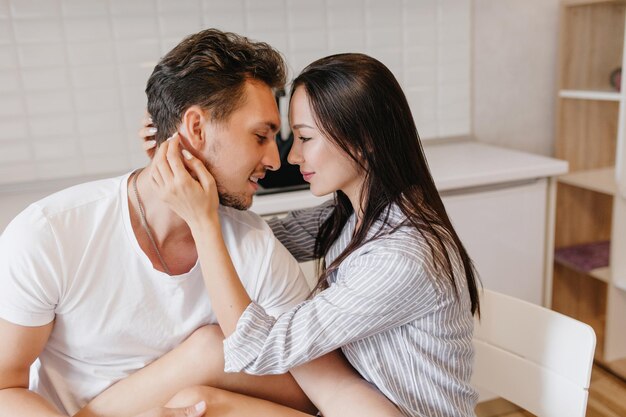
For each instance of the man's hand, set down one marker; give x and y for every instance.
(197, 410)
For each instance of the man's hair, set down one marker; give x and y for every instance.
(209, 69)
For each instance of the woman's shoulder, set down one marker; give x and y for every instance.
(394, 239)
(394, 235)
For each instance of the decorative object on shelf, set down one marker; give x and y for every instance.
(616, 79)
(585, 257)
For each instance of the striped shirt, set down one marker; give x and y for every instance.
(398, 321)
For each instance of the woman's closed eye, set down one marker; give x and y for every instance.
(304, 139)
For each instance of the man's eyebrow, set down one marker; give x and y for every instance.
(271, 125)
(301, 125)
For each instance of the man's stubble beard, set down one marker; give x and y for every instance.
(235, 201)
(228, 199)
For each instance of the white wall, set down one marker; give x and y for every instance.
(73, 72)
(515, 47)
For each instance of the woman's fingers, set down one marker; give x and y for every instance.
(147, 132)
(193, 411)
(146, 120)
(156, 177)
(161, 163)
(198, 170)
(174, 159)
(149, 144)
(197, 410)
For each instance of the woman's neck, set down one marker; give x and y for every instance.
(354, 194)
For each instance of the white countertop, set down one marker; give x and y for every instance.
(474, 164)
(454, 166)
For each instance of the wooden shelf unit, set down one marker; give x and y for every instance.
(591, 206)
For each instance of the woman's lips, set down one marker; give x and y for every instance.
(307, 175)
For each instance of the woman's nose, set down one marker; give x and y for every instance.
(295, 154)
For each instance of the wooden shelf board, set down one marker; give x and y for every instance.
(601, 180)
(603, 274)
(591, 95)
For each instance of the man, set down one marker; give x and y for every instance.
(101, 279)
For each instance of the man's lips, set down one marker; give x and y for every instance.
(254, 180)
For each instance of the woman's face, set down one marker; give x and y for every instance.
(323, 164)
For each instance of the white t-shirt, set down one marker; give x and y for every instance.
(73, 258)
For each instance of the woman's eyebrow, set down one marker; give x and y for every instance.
(301, 125)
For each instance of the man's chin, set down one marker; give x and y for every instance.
(238, 202)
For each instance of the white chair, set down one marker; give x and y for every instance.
(536, 358)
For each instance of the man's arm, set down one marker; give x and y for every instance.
(19, 348)
(197, 361)
(298, 230)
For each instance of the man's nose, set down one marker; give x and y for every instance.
(271, 159)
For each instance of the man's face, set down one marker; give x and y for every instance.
(240, 150)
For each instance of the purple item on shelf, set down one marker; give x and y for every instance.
(585, 257)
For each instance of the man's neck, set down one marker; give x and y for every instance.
(163, 222)
(170, 232)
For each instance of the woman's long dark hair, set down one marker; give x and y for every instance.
(359, 105)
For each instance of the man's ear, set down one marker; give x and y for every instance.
(192, 128)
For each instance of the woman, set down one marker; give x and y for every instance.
(397, 290)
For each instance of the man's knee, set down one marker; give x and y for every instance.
(193, 395)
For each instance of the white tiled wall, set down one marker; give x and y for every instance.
(72, 72)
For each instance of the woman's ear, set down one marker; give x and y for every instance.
(192, 129)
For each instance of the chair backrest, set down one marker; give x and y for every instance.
(533, 357)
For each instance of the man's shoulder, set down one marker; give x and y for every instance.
(79, 195)
(66, 207)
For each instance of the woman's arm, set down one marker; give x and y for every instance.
(338, 390)
(374, 293)
(378, 291)
(197, 202)
(333, 385)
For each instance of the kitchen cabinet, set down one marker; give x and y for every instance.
(503, 228)
(590, 237)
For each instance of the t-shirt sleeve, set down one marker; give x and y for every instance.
(282, 284)
(30, 270)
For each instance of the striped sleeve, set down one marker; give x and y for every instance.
(374, 293)
(298, 230)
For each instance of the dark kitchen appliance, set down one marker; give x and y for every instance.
(288, 177)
